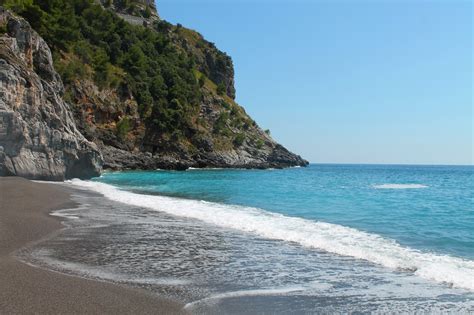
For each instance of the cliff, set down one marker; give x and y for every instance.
(38, 135)
(149, 96)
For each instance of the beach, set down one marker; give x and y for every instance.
(167, 242)
(24, 220)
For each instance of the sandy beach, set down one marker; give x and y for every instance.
(24, 219)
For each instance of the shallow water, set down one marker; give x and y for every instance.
(235, 253)
(429, 208)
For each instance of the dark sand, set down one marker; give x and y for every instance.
(24, 219)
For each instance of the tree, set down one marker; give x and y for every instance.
(28, 10)
(18, 5)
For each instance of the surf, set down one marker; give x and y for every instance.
(332, 238)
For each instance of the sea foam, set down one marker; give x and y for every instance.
(313, 234)
(400, 186)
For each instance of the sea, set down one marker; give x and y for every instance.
(323, 239)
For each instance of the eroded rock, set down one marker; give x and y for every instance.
(38, 135)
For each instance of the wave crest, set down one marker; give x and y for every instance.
(314, 234)
(400, 186)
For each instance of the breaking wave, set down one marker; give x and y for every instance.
(313, 234)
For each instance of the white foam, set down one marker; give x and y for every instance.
(399, 186)
(329, 237)
(234, 294)
(204, 168)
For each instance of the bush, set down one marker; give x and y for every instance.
(220, 124)
(225, 104)
(221, 89)
(71, 70)
(239, 139)
(146, 12)
(202, 80)
(234, 111)
(123, 127)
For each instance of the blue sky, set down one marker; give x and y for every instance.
(349, 81)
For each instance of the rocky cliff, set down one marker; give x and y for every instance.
(38, 136)
(148, 96)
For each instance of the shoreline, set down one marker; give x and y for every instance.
(25, 219)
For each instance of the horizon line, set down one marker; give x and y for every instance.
(394, 164)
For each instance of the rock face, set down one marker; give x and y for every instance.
(38, 136)
(139, 12)
(257, 149)
(212, 62)
(224, 135)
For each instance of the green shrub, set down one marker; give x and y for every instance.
(234, 111)
(239, 139)
(71, 70)
(202, 80)
(123, 127)
(221, 122)
(221, 89)
(146, 12)
(225, 104)
(17, 5)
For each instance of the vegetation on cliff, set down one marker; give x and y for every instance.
(154, 88)
(91, 43)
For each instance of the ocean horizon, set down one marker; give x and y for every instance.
(325, 238)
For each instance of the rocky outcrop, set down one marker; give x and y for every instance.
(38, 135)
(212, 62)
(207, 147)
(138, 12)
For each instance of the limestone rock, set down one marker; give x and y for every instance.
(138, 12)
(38, 136)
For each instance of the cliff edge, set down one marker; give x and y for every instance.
(38, 136)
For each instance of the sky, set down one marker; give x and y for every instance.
(348, 81)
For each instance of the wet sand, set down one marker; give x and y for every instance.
(25, 219)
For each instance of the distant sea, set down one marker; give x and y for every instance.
(325, 238)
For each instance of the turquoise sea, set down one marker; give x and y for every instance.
(325, 238)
